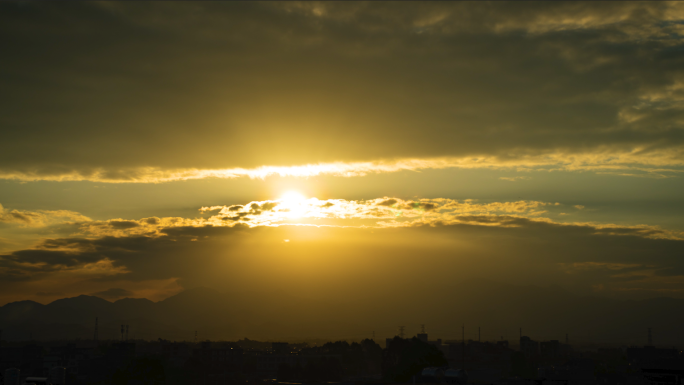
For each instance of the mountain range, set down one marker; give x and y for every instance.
(499, 310)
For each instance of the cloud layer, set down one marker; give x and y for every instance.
(158, 256)
(158, 92)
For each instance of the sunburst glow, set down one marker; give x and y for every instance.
(293, 205)
(292, 197)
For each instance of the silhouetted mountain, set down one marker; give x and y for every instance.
(543, 313)
(19, 311)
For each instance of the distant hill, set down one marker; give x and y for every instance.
(500, 310)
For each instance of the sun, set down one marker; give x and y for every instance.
(292, 197)
(292, 205)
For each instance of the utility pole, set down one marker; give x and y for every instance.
(127, 332)
(122, 332)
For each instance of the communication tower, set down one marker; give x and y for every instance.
(650, 338)
(401, 332)
(422, 328)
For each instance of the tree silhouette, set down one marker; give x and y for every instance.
(404, 358)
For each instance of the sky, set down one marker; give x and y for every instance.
(338, 150)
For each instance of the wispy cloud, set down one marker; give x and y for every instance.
(515, 178)
(661, 164)
(40, 217)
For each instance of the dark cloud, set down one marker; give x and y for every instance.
(508, 80)
(671, 271)
(388, 202)
(268, 206)
(123, 224)
(427, 206)
(152, 221)
(509, 248)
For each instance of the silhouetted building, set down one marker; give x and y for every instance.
(280, 347)
(177, 353)
(529, 347)
(649, 356)
(574, 372)
(74, 359)
(484, 361)
(550, 349)
(218, 364)
(12, 376)
(28, 359)
(114, 357)
(57, 375)
(663, 376)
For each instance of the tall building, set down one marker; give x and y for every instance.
(529, 347)
(550, 349)
(422, 336)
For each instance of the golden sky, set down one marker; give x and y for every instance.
(152, 147)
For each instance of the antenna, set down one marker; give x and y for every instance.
(401, 332)
(195, 335)
(127, 332)
(650, 338)
(520, 333)
(122, 333)
(478, 334)
(95, 337)
(422, 328)
(566, 339)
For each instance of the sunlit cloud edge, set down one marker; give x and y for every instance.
(659, 164)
